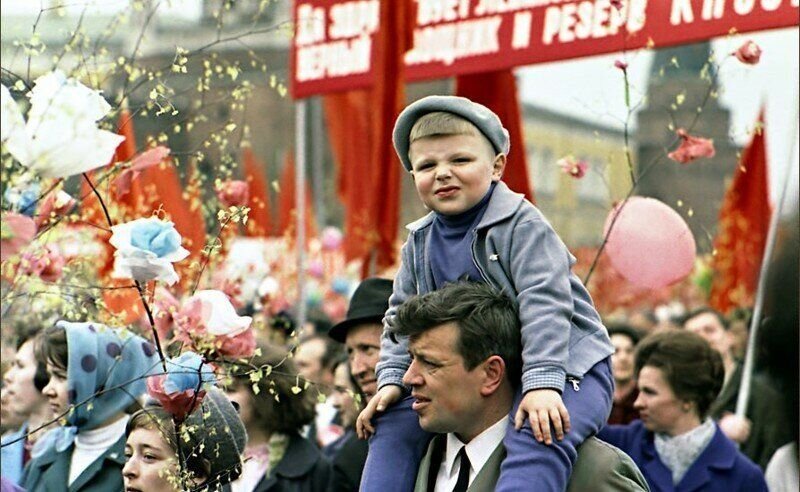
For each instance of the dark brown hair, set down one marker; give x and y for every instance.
(52, 347)
(691, 367)
(277, 407)
(487, 320)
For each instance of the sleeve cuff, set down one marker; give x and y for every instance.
(549, 377)
(391, 376)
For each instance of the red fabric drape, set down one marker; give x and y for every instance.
(259, 221)
(498, 92)
(287, 217)
(360, 127)
(743, 227)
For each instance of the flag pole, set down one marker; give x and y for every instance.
(749, 360)
(300, 207)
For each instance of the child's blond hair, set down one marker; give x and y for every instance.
(442, 124)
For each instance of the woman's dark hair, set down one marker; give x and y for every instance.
(27, 332)
(691, 367)
(278, 407)
(52, 347)
(623, 329)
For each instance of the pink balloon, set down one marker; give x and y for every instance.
(650, 244)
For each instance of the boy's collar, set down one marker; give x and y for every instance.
(503, 204)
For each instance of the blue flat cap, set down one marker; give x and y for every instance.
(477, 114)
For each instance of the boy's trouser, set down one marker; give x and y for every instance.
(395, 450)
(531, 465)
(397, 447)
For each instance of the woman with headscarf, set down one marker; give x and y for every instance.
(95, 372)
(675, 444)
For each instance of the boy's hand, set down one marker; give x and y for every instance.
(542, 407)
(380, 402)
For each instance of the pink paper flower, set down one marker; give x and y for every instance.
(208, 322)
(331, 238)
(748, 53)
(617, 4)
(574, 167)
(692, 148)
(47, 264)
(16, 231)
(233, 193)
(148, 158)
(55, 204)
(181, 389)
(621, 64)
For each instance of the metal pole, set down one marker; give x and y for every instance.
(749, 359)
(317, 169)
(300, 207)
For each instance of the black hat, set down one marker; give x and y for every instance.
(368, 305)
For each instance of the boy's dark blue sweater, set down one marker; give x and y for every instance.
(451, 244)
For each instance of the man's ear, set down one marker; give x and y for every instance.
(498, 167)
(494, 369)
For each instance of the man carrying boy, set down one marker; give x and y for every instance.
(481, 231)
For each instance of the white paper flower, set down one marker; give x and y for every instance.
(212, 310)
(146, 249)
(61, 137)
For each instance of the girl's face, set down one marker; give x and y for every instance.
(150, 462)
(242, 395)
(56, 390)
(20, 395)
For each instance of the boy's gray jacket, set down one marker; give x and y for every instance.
(517, 251)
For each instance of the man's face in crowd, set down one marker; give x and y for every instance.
(342, 397)
(308, 358)
(708, 326)
(622, 359)
(363, 344)
(446, 393)
(20, 396)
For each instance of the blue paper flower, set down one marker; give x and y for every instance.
(23, 199)
(187, 372)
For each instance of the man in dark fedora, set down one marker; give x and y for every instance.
(360, 332)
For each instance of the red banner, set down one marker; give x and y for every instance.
(332, 47)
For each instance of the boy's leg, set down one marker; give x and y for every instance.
(395, 450)
(530, 465)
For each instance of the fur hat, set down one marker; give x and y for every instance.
(477, 114)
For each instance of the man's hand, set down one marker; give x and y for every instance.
(736, 428)
(542, 407)
(380, 402)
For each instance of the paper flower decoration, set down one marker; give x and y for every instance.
(55, 204)
(23, 199)
(182, 388)
(233, 193)
(16, 231)
(572, 166)
(208, 320)
(47, 264)
(146, 249)
(61, 137)
(148, 158)
(691, 148)
(748, 53)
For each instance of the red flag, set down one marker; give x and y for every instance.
(259, 221)
(287, 216)
(388, 98)
(498, 92)
(360, 127)
(743, 227)
(350, 139)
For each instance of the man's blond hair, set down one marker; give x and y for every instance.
(443, 124)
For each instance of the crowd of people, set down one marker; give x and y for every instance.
(483, 365)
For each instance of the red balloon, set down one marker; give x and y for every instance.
(650, 244)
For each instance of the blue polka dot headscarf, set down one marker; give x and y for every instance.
(106, 370)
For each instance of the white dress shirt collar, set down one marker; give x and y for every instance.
(479, 450)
